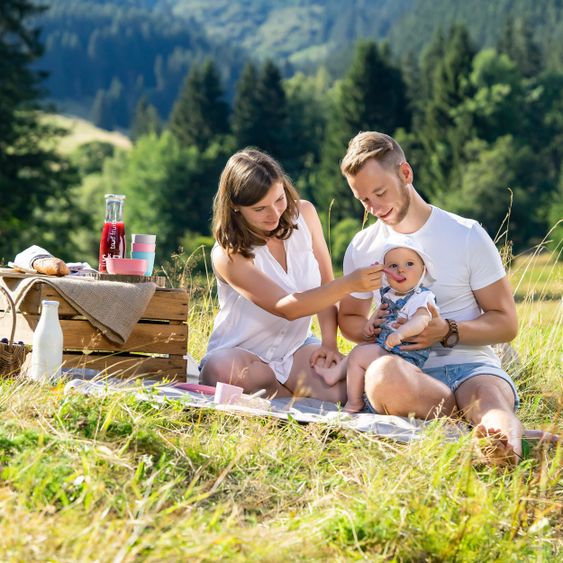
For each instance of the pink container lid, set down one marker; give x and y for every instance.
(146, 239)
(143, 247)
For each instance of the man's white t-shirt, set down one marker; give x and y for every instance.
(465, 260)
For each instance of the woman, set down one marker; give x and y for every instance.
(273, 273)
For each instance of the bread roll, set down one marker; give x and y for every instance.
(51, 266)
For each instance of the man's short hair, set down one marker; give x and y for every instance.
(371, 144)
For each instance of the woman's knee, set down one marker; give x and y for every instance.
(219, 368)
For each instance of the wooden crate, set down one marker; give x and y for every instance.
(156, 347)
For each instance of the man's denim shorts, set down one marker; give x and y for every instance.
(454, 375)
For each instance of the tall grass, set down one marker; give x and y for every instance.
(115, 479)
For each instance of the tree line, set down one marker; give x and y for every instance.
(482, 129)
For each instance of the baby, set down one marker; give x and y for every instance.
(407, 267)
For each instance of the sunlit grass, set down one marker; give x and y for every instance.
(115, 479)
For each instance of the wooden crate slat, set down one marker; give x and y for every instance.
(130, 366)
(80, 334)
(166, 304)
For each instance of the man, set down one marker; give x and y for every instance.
(472, 292)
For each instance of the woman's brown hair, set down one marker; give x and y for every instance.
(246, 179)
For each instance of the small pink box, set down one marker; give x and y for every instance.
(143, 247)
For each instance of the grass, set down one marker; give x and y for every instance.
(81, 131)
(115, 479)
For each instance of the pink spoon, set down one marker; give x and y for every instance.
(395, 276)
(391, 273)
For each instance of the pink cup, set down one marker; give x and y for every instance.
(143, 247)
(227, 394)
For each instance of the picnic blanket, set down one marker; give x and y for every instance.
(396, 428)
(114, 308)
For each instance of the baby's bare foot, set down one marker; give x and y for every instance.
(331, 375)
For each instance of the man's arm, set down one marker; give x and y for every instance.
(497, 323)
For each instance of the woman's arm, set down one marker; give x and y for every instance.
(328, 320)
(327, 354)
(258, 288)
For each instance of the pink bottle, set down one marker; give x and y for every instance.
(112, 241)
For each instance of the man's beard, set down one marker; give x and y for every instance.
(405, 202)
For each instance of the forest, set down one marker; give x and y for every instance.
(478, 108)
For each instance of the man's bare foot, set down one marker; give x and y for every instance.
(495, 448)
(352, 406)
(331, 375)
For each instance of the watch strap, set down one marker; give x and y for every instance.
(452, 331)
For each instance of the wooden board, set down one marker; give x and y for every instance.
(160, 281)
(79, 334)
(130, 366)
(166, 304)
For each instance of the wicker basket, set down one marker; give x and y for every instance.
(12, 356)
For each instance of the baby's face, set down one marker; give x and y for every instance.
(407, 264)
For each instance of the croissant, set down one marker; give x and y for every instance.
(51, 266)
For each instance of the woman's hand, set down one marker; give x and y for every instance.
(325, 356)
(365, 279)
(435, 331)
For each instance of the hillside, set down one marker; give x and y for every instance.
(81, 132)
(103, 55)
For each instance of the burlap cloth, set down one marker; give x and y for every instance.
(112, 307)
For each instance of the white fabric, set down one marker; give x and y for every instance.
(416, 301)
(465, 259)
(26, 257)
(242, 324)
(429, 275)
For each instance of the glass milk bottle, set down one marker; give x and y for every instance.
(112, 241)
(47, 351)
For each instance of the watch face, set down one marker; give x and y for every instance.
(452, 340)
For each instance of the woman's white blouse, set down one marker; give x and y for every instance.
(244, 325)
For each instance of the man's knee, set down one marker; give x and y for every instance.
(386, 375)
(485, 389)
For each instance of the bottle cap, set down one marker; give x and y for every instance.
(49, 303)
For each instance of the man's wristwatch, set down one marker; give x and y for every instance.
(452, 336)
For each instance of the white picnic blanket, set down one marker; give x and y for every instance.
(396, 428)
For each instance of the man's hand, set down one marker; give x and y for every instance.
(435, 331)
(325, 356)
(373, 326)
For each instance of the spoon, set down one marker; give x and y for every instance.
(395, 276)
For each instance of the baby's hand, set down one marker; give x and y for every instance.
(394, 339)
(370, 328)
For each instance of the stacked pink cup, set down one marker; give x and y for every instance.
(144, 246)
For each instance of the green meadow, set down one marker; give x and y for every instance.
(115, 479)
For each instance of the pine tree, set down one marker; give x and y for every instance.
(200, 112)
(442, 131)
(272, 109)
(32, 177)
(245, 119)
(517, 41)
(372, 96)
(145, 120)
(260, 114)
